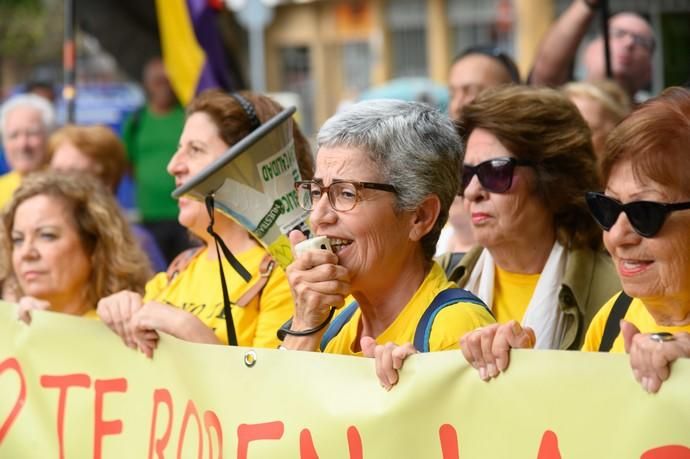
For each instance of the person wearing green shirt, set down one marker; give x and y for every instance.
(151, 134)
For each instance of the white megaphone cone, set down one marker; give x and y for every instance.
(253, 183)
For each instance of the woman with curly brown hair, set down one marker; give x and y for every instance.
(68, 245)
(528, 163)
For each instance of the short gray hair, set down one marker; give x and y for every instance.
(28, 100)
(415, 147)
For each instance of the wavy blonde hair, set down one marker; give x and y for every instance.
(117, 261)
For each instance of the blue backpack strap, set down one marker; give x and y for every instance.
(445, 298)
(338, 323)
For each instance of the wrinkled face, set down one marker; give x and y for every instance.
(200, 144)
(598, 120)
(631, 55)
(501, 218)
(471, 75)
(371, 240)
(654, 267)
(68, 157)
(48, 256)
(25, 140)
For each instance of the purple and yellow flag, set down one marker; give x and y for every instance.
(192, 47)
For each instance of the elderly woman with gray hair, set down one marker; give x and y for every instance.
(386, 174)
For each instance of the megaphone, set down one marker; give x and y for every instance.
(253, 183)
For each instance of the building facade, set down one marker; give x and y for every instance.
(330, 51)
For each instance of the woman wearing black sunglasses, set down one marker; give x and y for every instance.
(528, 163)
(644, 212)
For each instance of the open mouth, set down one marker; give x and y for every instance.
(629, 267)
(338, 244)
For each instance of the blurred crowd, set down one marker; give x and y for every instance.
(538, 212)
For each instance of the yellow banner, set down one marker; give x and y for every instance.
(70, 389)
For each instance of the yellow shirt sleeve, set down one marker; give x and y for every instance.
(276, 306)
(155, 286)
(453, 322)
(8, 183)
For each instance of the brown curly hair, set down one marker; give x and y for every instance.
(117, 261)
(541, 125)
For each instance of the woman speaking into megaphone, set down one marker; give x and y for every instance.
(187, 300)
(386, 174)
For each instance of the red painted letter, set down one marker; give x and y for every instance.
(211, 421)
(549, 446)
(13, 364)
(102, 428)
(63, 383)
(306, 446)
(188, 413)
(250, 432)
(159, 444)
(449, 442)
(354, 443)
(667, 452)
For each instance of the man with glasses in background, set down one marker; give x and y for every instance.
(631, 42)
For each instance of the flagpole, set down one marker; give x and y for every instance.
(605, 34)
(69, 61)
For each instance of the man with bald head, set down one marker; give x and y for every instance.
(631, 43)
(475, 69)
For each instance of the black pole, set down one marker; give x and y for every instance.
(605, 34)
(69, 61)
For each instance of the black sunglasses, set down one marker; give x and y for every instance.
(495, 175)
(646, 217)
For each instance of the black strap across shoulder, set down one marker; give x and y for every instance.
(236, 265)
(613, 326)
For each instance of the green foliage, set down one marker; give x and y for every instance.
(22, 27)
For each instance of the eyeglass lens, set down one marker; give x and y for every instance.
(495, 175)
(341, 195)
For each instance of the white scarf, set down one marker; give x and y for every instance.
(542, 314)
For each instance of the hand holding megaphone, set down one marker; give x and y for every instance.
(317, 281)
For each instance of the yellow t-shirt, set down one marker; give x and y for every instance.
(91, 314)
(637, 314)
(450, 324)
(197, 290)
(8, 183)
(512, 294)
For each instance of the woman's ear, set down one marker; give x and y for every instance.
(424, 217)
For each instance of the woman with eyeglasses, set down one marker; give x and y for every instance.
(386, 174)
(644, 211)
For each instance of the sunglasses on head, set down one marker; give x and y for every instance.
(646, 217)
(495, 175)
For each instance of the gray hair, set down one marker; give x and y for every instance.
(28, 100)
(415, 147)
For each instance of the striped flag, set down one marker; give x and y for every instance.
(192, 48)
